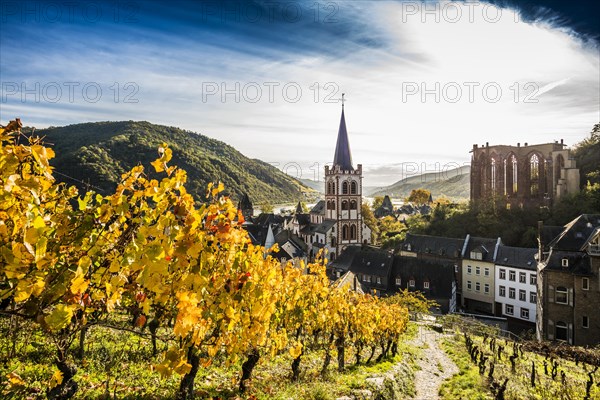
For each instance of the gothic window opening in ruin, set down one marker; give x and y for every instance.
(504, 170)
(494, 183)
(353, 204)
(515, 176)
(344, 205)
(559, 164)
(534, 174)
(353, 232)
(353, 187)
(345, 188)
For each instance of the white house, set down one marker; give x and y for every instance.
(515, 283)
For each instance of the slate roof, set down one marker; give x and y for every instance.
(286, 235)
(484, 245)
(350, 279)
(325, 226)
(576, 233)
(434, 245)
(343, 260)
(318, 208)
(439, 274)
(518, 257)
(342, 156)
(303, 219)
(579, 262)
(372, 262)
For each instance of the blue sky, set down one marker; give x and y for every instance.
(424, 81)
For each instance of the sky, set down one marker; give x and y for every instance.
(424, 81)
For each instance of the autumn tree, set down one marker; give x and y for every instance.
(419, 196)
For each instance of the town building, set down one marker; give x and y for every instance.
(528, 175)
(568, 284)
(478, 258)
(515, 286)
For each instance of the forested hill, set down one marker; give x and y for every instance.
(98, 153)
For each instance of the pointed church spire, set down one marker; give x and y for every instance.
(299, 208)
(342, 156)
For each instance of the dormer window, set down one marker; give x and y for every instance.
(398, 281)
(408, 247)
(426, 285)
(565, 262)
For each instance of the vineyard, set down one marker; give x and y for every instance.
(147, 289)
(496, 368)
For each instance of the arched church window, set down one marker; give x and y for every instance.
(353, 204)
(504, 172)
(352, 232)
(345, 188)
(345, 232)
(534, 173)
(515, 176)
(353, 187)
(344, 205)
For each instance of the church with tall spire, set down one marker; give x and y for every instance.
(343, 197)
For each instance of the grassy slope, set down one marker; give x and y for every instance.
(453, 184)
(119, 364)
(468, 384)
(100, 152)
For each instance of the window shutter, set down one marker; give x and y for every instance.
(571, 297)
(570, 334)
(550, 294)
(550, 332)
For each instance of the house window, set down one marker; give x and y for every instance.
(486, 271)
(502, 273)
(398, 281)
(502, 291)
(532, 297)
(522, 277)
(511, 275)
(364, 278)
(477, 286)
(468, 285)
(425, 285)
(561, 330)
(565, 262)
(486, 288)
(379, 280)
(337, 274)
(522, 295)
(562, 295)
(477, 270)
(533, 279)
(369, 278)
(524, 313)
(585, 283)
(585, 323)
(411, 283)
(469, 269)
(509, 310)
(511, 293)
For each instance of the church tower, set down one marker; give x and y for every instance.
(343, 196)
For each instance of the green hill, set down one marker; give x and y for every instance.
(453, 184)
(98, 153)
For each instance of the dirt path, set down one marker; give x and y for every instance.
(435, 364)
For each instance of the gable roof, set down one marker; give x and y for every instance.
(576, 233)
(485, 246)
(318, 208)
(325, 226)
(518, 257)
(434, 245)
